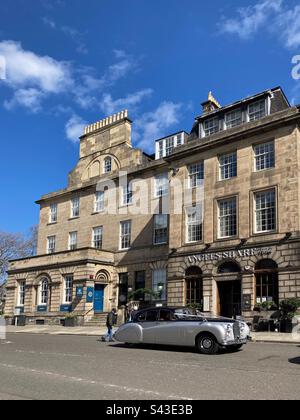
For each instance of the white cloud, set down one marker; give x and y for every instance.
(289, 24)
(110, 106)
(250, 19)
(27, 69)
(75, 128)
(29, 98)
(153, 125)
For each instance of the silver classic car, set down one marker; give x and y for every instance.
(184, 327)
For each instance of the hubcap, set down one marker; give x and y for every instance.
(206, 343)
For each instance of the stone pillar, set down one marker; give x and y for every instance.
(176, 292)
(208, 294)
(248, 288)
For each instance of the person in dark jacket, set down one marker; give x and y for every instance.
(111, 321)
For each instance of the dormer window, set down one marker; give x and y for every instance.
(211, 126)
(107, 165)
(233, 119)
(257, 110)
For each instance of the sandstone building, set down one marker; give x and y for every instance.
(233, 245)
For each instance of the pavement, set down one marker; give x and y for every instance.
(76, 367)
(97, 332)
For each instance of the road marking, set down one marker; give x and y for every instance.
(40, 353)
(91, 382)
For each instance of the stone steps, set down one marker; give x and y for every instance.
(98, 320)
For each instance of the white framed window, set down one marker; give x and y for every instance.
(125, 234)
(68, 289)
(233, 118)
(161, 146)
(161, 185)
(257, 110)
(22, 292)
(44, 292)
(51, 244)
(99, 203)
(264, 155)
(127, 194)
(265, 211)
(53, 213)
(75, 207)
(161, 222)
(98, 237)
(227, 217)
(159, 283)
(211, 126)
(107, 165)
(228, 166)
(73, 241)
(170, 145)
(194, 224)
(196, 174)
(179, 139)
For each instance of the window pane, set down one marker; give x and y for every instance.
(159, 283)
(44, 292)
(53, 213)
(211, 126)
(125, 235)
(194, 221)
(107, 165)
(233, 119)
(127, 195)
(228, 166)
(22, 288)
(227, 218)
(161, 185)
(265, 211)
(51, 241)
(160, 229)
(73, 241)
(257, 110)
(264, 156)
(69, 289)
(196, 174)
(98, 237)
(75, 207)
(99, 201)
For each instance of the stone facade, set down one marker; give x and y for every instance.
(200, 263)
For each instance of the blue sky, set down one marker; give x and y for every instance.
(72, 62)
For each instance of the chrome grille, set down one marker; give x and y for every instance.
(236, 330)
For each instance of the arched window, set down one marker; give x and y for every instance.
(194, 286)
(267, 288)
(229, 267)
(107, 165)
(44, 292)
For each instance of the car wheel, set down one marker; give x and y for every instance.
(207, 344)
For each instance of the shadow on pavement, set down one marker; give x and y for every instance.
(160, 348)
(295, 361)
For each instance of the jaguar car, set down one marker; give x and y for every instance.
(184, 327)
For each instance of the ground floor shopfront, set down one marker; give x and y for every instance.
(89, 283)
(232, 282)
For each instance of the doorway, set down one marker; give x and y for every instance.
(99, 298)
(230, 298)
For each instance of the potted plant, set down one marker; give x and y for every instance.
(288, 309)
(71, 320)
(136, 295)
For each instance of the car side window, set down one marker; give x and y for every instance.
(151, 316)
(166, 315)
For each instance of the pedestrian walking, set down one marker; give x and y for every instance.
(111, 321)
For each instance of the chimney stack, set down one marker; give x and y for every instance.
(210, 105)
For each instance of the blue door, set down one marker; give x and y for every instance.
(99, 298)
